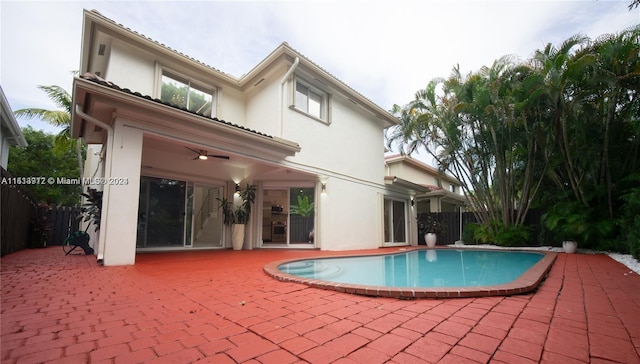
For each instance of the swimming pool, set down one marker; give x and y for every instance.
(422, 272)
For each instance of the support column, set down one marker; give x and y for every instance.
(118, 227)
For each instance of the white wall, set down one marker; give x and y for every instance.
(120, 201)
(349, 217)
(264, 105)
(351, 145)
(131, 68)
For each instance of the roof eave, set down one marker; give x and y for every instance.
(84, 87)
(9, 121)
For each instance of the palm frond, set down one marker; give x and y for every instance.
(59, 96)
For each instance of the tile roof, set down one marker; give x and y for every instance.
(93, 11)
(93, 78)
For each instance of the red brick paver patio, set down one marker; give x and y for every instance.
(220, 307)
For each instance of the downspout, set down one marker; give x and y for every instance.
(107, 186)
(284, 80)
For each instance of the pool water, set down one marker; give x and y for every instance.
(419, 268)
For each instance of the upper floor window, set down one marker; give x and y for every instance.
(184, 93)
(311, 100)
(452, 188)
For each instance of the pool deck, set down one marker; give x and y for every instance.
(221, 307)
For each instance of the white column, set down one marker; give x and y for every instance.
(118, 228)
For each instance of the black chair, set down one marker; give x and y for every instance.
(75, 240)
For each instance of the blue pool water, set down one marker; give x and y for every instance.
(419, 268)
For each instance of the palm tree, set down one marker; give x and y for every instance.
(60, 118)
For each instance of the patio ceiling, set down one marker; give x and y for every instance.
(165, 156)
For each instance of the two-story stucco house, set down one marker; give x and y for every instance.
(170, 135)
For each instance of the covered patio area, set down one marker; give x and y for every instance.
(220, 307)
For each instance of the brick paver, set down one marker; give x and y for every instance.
(220, 307)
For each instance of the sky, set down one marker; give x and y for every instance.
(385, 50)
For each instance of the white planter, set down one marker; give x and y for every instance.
(430, 239)
(237, 236)
(569, 246)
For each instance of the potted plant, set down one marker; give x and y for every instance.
(301, 215)
(238, 217)
(431, 228)
(567, 222)
(92, 208)
(41, 227)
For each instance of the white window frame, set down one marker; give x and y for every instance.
(324, 108)
(192, 84)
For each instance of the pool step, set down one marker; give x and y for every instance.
(311, 269)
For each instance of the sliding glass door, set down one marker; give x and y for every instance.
(288, 216)
(161, 213)
(174, 214)
(206, 219)
(395, 222)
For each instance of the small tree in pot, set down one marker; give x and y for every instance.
(240, 216)
(431, 228)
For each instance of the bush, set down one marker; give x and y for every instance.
(630, 220)
(502, 235)
(468, 233)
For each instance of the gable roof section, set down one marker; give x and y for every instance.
(8, 122)
(397, 158)
(93, 18)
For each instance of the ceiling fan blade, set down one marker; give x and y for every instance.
(219, 156)
(193, 150)
(197, 157)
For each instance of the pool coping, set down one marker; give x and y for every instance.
(527, 282)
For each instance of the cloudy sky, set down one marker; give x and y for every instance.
(386, 50)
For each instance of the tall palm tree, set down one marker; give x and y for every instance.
(60, 118)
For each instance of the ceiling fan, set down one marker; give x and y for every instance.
(203, 155)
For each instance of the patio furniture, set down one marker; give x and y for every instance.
(75, 240)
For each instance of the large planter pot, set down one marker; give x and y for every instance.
(237, 236)
(569, 246)
(430, 239)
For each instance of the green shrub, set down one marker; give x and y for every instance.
(499, 234)
(468, 233)
(630, 221)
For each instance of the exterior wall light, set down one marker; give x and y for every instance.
(324, 187)
(237, 188)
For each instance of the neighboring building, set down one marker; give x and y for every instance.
(10, 132)
(287, 126)
(440, 193)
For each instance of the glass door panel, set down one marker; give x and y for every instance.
(161, 213)
(301, 215)
(395, 225)
(207, 219)
(275, 213)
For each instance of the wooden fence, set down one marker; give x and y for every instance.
(454, 229)
(26, 224)
(17, 210)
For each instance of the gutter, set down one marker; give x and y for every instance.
(284, 80)
(107, 187)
